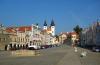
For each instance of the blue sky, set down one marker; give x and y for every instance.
(66, 13)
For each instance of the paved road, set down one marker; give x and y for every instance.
(63, 55)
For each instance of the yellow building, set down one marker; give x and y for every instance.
(62, 37)
(74, 36)
(19, 35)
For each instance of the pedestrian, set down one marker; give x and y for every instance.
(5, 47)
(75, 48)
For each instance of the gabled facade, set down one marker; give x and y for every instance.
(73, 36)
(63, 37)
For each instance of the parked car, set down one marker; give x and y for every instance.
(33, 47)
(44, 46)
(96, 49)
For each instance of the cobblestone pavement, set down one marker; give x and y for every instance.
(91, 58)
(63, 55)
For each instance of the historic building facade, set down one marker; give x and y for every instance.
(63, 37)
(91, 36)
(4, 37)
(28, 35)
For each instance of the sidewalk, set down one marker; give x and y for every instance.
(71, 58)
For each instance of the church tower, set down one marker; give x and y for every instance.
(52, 25)
(45, 25)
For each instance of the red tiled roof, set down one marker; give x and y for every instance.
(21, 29)
(24, 28)
(10, 30)
(73, 33)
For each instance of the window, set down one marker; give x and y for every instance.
(21, 39)
(0, 39)
(15, 39)
(4, 39)
(26, 40)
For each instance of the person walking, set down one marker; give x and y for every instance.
(74, 45)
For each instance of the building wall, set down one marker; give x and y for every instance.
(73, 37)
(4, 40)
(91, 35)
(13, 38)
(62, 37)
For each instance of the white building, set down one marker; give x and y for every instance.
(49, 29)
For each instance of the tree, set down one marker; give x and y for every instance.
(77, 29)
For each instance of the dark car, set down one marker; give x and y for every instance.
(96, 49)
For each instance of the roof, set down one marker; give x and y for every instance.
(45, 23)
(10, 30)
(48, 29)
(52, 23)
(24, 28)
(21, 29)
(73, 33)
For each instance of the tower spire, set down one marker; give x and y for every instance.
(52, 23)
(45, 23)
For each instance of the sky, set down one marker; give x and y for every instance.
(65, 13)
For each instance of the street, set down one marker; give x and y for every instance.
(62, 55)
